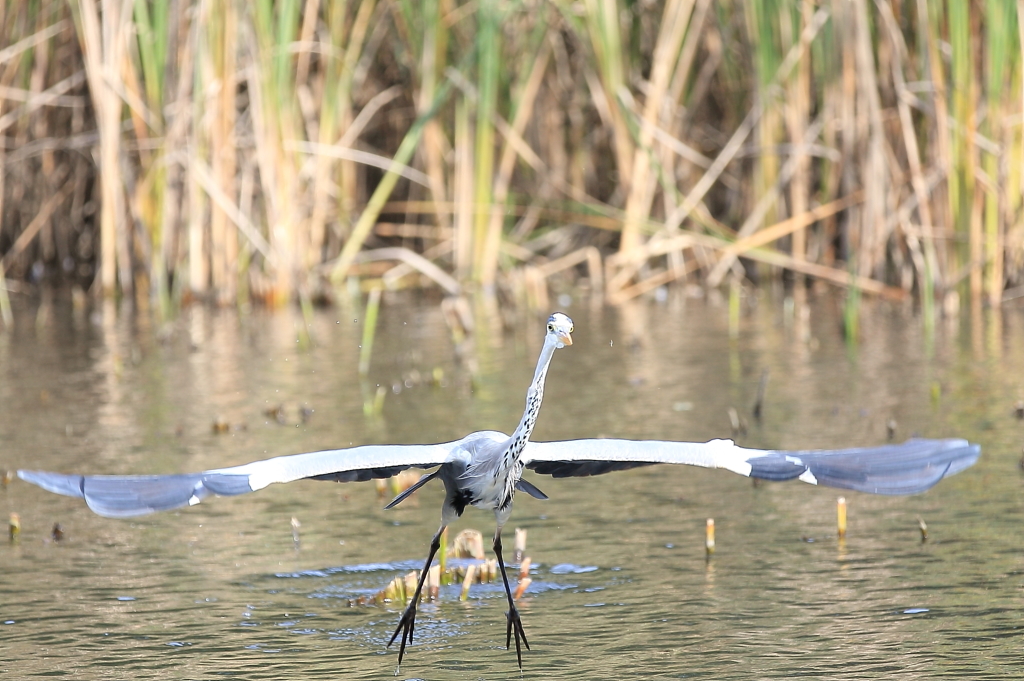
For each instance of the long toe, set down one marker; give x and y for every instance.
(515, 628)
(406, 626)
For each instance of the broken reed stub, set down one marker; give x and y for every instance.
(468, 544)
(523, 584)
(734, 421)
(923, 526)
(470, 576)
(394, 592)
(409, 582)
(434, 582)
(519, 547)
(841, 516)
(709, 536)
(399, 482)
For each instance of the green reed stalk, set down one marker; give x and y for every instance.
(383, 191)
(462, 190)
(735, 306)
(334, 109)
(929, 312)
(1000, 55)
(432, 64)
(603, 30)
(930, 18)
(369, 331)
(347, 39)
(488, 52)
(763, 17)
(851, 309)
(152, 30)
(522, 97)
(961, 178)
(275, 103)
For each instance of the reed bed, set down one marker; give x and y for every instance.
(169, 150)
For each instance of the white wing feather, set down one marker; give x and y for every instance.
(907, 468)
(314, 464)
(123, 496)
(713, 454)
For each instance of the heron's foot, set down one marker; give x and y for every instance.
(406, 626)
(515, 625)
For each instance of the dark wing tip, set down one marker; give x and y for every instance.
(125, 496)
(364, 474)
(582, 469)
(908, 468)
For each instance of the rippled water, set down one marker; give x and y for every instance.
(621, 585)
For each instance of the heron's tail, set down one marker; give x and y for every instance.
(419, 483)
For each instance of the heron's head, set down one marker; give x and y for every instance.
(560, 329)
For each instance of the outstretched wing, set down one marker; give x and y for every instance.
(122, 496)
(907, 468)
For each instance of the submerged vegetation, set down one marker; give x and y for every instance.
(473, 569)
(236, 151)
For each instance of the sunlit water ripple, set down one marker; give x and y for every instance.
(621, 585)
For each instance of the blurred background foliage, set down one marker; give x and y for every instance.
(167, 150)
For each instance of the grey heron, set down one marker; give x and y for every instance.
(485, 469)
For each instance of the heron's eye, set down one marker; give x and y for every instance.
(551, 327)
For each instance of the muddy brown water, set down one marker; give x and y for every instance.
(621, 585)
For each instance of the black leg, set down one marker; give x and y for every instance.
(515, 624)
(408, 622)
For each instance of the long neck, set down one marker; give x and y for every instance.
(511, 464)
(534, 395)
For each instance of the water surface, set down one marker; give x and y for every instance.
(622, 587)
